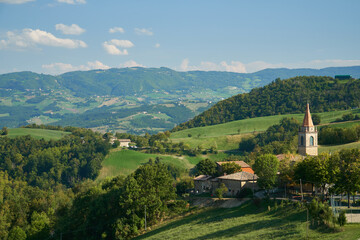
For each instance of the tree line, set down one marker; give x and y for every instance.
(46, 164)
(282, 97)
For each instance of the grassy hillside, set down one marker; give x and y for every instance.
(37, 133)
(282, 97)
(226, 136)
(246, 222)
(125, 162)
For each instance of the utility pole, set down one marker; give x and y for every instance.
(302, 196)
(145, 217)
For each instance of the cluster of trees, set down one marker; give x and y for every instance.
(282, 97)
(335, 135)
(348, 117)
(209, 167)
(279, 138)
(45, 164)
(340, 170)
(114, 209)
(27, 212)
(117, 209)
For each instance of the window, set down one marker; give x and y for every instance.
(311, 141)
(302, 141)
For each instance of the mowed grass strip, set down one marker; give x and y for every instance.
(125, 162)
(247, 222)
(37, 133)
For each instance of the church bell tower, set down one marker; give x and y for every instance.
(308, 139)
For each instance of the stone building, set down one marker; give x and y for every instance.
(235, 182)
(308, 136)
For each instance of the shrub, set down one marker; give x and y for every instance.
(342, 218)
(221, 190)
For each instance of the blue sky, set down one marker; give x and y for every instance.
(56, 36)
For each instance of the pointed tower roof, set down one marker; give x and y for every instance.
(307, 119)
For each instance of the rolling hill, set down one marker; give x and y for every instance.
(282, 97)
(135, 100)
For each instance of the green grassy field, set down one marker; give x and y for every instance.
(125, 162)
(227, 136)
(333, 148)
(37, 133)
(247, 222)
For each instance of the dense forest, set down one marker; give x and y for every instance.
(282, 97)
(46, 164)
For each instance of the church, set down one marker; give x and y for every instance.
(308, 136)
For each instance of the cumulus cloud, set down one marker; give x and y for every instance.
(234, 66)
(112, 46)
(72, 1)
(130, 63)
(31, 38)
(73, 29)
(143, 31)
(116, 29)
(15, 1)
(58, 68)
(157, 45)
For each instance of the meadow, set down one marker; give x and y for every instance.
(247, 222)
(124, 162)
(227, 136)
(37, 133)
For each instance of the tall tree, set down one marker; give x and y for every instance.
(266, 167)
(206, 167)
(346, 171)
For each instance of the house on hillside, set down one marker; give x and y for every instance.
(202, 184)
(244, 166)
(235, 182)
(123, 142)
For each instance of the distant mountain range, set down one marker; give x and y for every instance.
(118, 99)
(129, 81)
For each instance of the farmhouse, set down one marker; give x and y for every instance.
(202, 183)
(236, 182)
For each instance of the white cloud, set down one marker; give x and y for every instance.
(31, 38)
(15, 1)
(116, 29)
(112, 46)
(143, 31)
(121, 43)
(73, 29)
(58, 68)
(234, 66)
(130, 64)
(157, 45)
(72, 1)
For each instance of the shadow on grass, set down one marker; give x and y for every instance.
(212, 215)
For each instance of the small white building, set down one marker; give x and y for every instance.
(124, 142)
